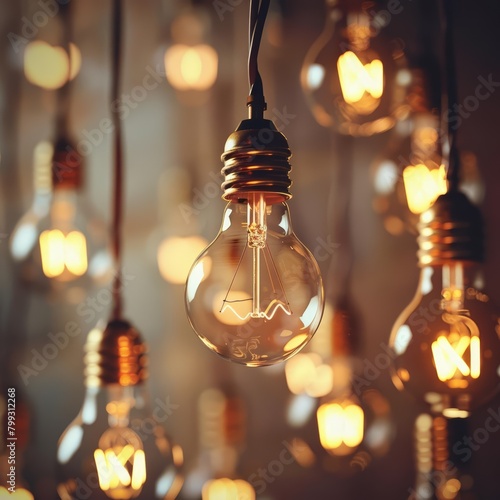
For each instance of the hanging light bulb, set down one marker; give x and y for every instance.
(64, 243)
(64, 247)
(112, 447)
(353, 83)
(255, 295)
(190, 63)
(446, 341)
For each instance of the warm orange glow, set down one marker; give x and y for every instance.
(238, 313)
(341, 426)
(357, 78)
(449, 358)
(121, 471)
(63, 252)
(423, 186)
(176, 256)
(227, 489)
(47, 66)
(191, 67)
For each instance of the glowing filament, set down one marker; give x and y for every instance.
(423, 186)
(245, 306)
(449, 361)
(60, 252)
(340, 425)
(357, 78)
(123, 470)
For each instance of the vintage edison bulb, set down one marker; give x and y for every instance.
(116, 447)
(63, 245)
(352, 82)
(255, 295)
(446, 342)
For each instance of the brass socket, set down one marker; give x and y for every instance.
(451, 230)
(115, 355)
(256, 159)
(67, 165)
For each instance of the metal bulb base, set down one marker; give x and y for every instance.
(256, 159)
(451, 230)
(115, 355)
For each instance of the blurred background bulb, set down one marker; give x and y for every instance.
(222, 435)
(177, 239)
(255, 294)
(446, 342)
(47, 66)
(60, 242)
(352, 82)
(115, 447)
(191, 63)
(410, 174)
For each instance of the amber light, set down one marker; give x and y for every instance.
(63, 252)
(358, 79)
(423, 186)
(341, 426)
(47, 66)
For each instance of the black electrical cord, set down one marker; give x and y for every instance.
(118, 157)
(451, 107)
(63, 94)
(256, 101)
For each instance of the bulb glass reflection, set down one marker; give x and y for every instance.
(255, 294)
(446, 342)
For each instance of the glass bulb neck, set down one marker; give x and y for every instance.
(116, 355)
(256, 159)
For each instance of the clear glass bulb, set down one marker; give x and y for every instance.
(116, 447)
(60, 242)
(352, 82)
(446, 342)
(255, 295)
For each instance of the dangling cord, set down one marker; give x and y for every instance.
(63, 94)
(118, 167)
(451, 106)
(256, 101)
